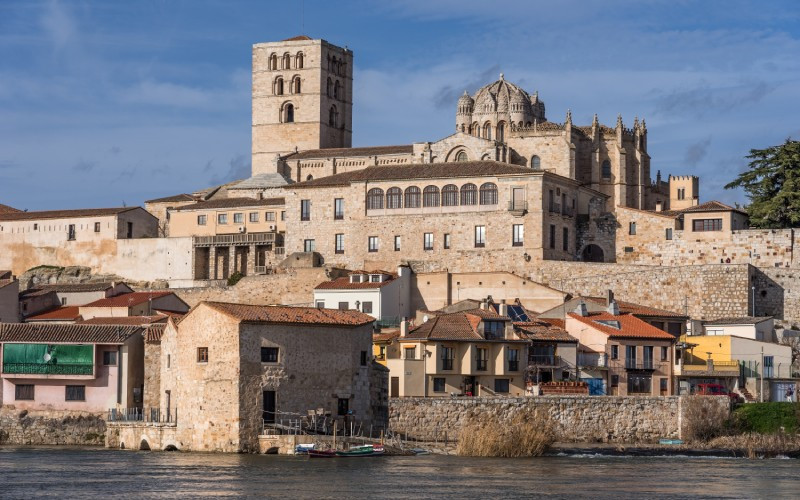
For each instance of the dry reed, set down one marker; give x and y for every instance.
(489, 436)
(756, 445)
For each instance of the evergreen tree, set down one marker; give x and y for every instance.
(773, 186)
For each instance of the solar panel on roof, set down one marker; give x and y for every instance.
(517, 313)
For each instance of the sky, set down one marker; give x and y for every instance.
(108, 103)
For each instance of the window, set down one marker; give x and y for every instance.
(413, 197)
(278, 87)
(631, 228)
(283, 214)
(63, 301)
(339, 243)
(287, 61)
(333, 115)
(513, 360)
(647, 357)
(409, 352)
(501, 131)
(614, 380)
(700, 225)
(338, 208)
(438, 384)
(493, 329)
(488, 194)
(430, 196)
(269, 216)
(288, 115)
(169, 360)
(447, 358)
(363, 358)
(501, 385)
(681, 193)
(396, 243)
(23, 392)
(639, 384)
(253, 216)
(480, 236)
(394, 198)
(487, 131)
(222, 218)
(450, 195)
(469, 194)
(36, 226)
(343, 406)
(663, 385)
(428, 241)
(536, 162)
(329, 90)
(565, 239)
(481, 359)
(320, 304)
(614, 352)
(309, 246)
(366, 307)
(75, 393)
(337, 90)
(669, 233)
(552, 236)
(372, 244)
(238, 218)
(202, 354)
(109, 358)
(71, 232)
(605, 170)
(375, 199)
(298, 60)
(96, 227)
(343, 306)
(769, 365)
(461, 156)
(446, 241)
(296, 85)
(305, 209)
(664, 353)
(273, 62)
(269, 354)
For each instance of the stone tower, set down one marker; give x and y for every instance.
(684, 191)
(302, 98)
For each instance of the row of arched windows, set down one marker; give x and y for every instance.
(449, 196)
(486, 131)
(335, 90)
(286, 61)
(294, 86)
(336, 66)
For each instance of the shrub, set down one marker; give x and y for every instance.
(766, 418)
(234, 278)
(704, 418)
(488, 436)
(753, 445)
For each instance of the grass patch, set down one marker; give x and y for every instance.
(43, 267)
(766, 418)
(488, 436)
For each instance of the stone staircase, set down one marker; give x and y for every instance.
(746, 395)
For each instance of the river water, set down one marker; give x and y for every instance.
(100, 473)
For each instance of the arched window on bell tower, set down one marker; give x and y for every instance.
(278, 87)
(501, 129)
(288, 113)
(333, 116)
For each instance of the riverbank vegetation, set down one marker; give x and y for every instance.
(489, 436)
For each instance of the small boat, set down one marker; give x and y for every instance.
(302, 449)
(322, 454)
(367, 450)
(420, 451)
(670, 441)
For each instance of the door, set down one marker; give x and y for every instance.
(71, 232)
(269, 407)
(518, 198)
(597, 386)
(130, 230)
(395, 390)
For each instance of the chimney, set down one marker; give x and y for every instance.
(403, 328)
(613, 308)
(503, 309)
(609, 297)
(484, 304)
(581, 309)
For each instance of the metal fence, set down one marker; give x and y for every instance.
(48, 369)
(146, 415)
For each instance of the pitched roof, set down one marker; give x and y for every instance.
(385, 336)
(711, 206)
(232, 203)
(124, 320)
(177, 197)
(742, 320)
(638, 309)
(262, 181)
(290, 315)
(128, 299)
(65, 214)
(543, 330)
(44, 332)
(630, 326)
(5, 209)
(455, 326)
(67, 313)
(342, 152)
(483, 168)
(68, 288)
(5, 283)
(154, 332)
(345, 284)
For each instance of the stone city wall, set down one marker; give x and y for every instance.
(588, 419)
(23, 427)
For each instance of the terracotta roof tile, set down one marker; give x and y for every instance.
(68, 313)
(232, 203)
(345, 284)
(638, 309)
(127, 299)
(630, 326)
(348, 152)
(291, 315)
(543, 330)
(484, 168)
(44, 332)
(69, 288)
(124, 320)
(711, 206)
(385, 336)
(65, 214)
(455, 326)
(5, 209)
(176, 198)
(153, 333)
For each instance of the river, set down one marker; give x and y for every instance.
(100, 473)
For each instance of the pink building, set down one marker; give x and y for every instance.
(87, 368)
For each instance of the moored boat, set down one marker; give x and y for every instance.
(321, 453)
(367, 450)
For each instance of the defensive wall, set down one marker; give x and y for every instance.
(584, 419)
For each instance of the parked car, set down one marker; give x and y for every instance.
(716, 390)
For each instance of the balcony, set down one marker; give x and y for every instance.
(717, 369)
(544, 360)
(593, 360)
(568, 211)
(47, 369)
(642, 364)
(518, 207)
(280, 250)
(481, 365)
(447, 364)
(554, 208)
(234, 239)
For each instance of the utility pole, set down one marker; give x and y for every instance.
(762, 374)
(753, 306)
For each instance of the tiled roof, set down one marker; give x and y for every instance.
(68, 288)
(385, 336)
(291, 315)
(297, 38)
(630, 326)
(5, 209)
(484, 168)
(232, 203)
(711, 206)
(127, 299)
(743, 320)
(344, 284)
(65, 214)
(347, 152)
(44, 332)
(541, 330)
(454, 326)
(154, 332)
(5, 283)
(177, 197)
(637, 309)
(67, 313)
(124, 320)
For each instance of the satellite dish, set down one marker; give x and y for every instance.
(47, 356)
(425, 319)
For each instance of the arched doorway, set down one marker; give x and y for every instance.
(592, 253)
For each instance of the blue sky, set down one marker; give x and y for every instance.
(106, 102)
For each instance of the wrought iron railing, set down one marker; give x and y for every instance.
(48, 369)
(642, 364)
(517, 206)
(146, 415)
(234, 239)
(544, 360)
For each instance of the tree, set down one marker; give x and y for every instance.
(773, 186)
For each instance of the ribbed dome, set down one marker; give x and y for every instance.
(497, 96)
(465, 100)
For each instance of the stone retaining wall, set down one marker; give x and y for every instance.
(22, 427)
(586, 419)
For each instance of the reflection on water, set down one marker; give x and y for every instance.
(76, 473)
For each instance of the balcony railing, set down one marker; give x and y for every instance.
(592, 360)
(146, 415)
(280, 250)
(481, 365)
(717, 366)
(568, 211)
(544, 360)
(234, 239)
(47, 369)
(641, 364)
(447, 364)
(555, 208)
(518, 206)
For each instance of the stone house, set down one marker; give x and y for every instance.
(134, 304)
(384, 296)
(9, 298)
(552, 353)
(90, 368)
(621, 355)
(229, 369)
(46, 298)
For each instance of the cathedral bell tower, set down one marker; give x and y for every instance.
(302, 98)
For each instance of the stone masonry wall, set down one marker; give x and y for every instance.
(21, 427)
(589, 419)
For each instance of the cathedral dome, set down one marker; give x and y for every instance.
(465, 104)
(497, 96)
